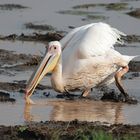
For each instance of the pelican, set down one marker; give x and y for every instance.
(83, 59)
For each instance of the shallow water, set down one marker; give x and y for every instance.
(46, 12)
(52, 108)
(56, 109)
(19, 47)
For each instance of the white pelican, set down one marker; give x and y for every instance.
(83, 59)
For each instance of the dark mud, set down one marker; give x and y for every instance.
(19, 86)
(12, 86)
(135, 13)
(10, 60)
(50, 36)
(113, 97)
(5, 97)
(39, 27)
(73, 130)
(11, 6)
(132, 38)
(134, 66)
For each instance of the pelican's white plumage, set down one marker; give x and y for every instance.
(86, 58)
(93, 39)
(89, 41)
(89, 55)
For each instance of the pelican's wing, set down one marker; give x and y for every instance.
(67, 39)
(91, 40)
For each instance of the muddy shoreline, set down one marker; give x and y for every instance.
(68, 130)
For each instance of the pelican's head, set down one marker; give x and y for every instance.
(46, 66)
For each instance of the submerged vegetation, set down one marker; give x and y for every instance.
(110, 6)
(89, 15)
(72, 12)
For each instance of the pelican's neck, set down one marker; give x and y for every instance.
(57, 79)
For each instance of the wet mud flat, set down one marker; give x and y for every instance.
(71, 130)
(50, 36)
(53, 35)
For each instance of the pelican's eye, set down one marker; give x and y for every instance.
(55, 48)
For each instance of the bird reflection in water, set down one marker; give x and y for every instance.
(84, 110)
(28, 117)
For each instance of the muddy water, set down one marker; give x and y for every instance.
(51, 108)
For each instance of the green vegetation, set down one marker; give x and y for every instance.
(90, 135)
(73, 130)
(22, 128)
(93, 135)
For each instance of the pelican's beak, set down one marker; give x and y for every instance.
(47, 65)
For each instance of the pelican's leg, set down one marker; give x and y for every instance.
(85, 93)
(118, 77)
(68, 95)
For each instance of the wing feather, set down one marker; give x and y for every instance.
(91, 40)
(67, 40)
